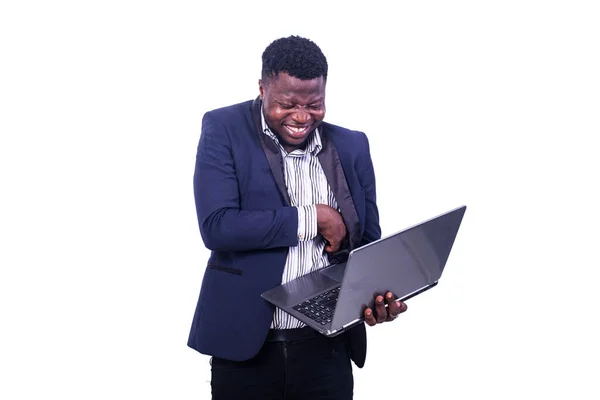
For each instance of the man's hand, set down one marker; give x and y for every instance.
(382, 314)
(331, 226)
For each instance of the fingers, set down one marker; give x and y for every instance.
(333, 242)
(381, 314)
(395, 307)
(369, 318)
(331, 226)
(380, 311)
(331, 247)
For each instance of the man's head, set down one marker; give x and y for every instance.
(292, 88)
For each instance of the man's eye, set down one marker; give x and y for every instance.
(316, 106)
(286, 106)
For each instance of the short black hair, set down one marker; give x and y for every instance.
(297, 56)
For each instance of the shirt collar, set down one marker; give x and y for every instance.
(313, 145)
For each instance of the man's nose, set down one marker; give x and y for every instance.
(301, 116)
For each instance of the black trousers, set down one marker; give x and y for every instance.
(313, 368)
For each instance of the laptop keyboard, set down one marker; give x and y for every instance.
(320, 308)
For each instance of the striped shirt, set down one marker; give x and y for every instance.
(306, 186)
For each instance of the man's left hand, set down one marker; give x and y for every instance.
(382, 314)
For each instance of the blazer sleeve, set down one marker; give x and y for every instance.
(366, 175)
(223, 225)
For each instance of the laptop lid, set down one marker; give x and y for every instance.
(404, 263)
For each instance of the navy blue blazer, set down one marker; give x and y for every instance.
(247, 222)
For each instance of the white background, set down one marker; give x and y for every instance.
(490, 104)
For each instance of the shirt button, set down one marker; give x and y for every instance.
(300, 237)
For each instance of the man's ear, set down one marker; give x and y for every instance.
(261, 88)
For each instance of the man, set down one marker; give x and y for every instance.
(280, 193)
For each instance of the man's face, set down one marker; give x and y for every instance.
(293, 107)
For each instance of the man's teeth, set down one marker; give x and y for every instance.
(296, 129)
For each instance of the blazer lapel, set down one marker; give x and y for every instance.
(271, 150)
(332, 167)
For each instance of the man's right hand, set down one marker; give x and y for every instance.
(331, 226)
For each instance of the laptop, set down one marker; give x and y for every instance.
(407, 263)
